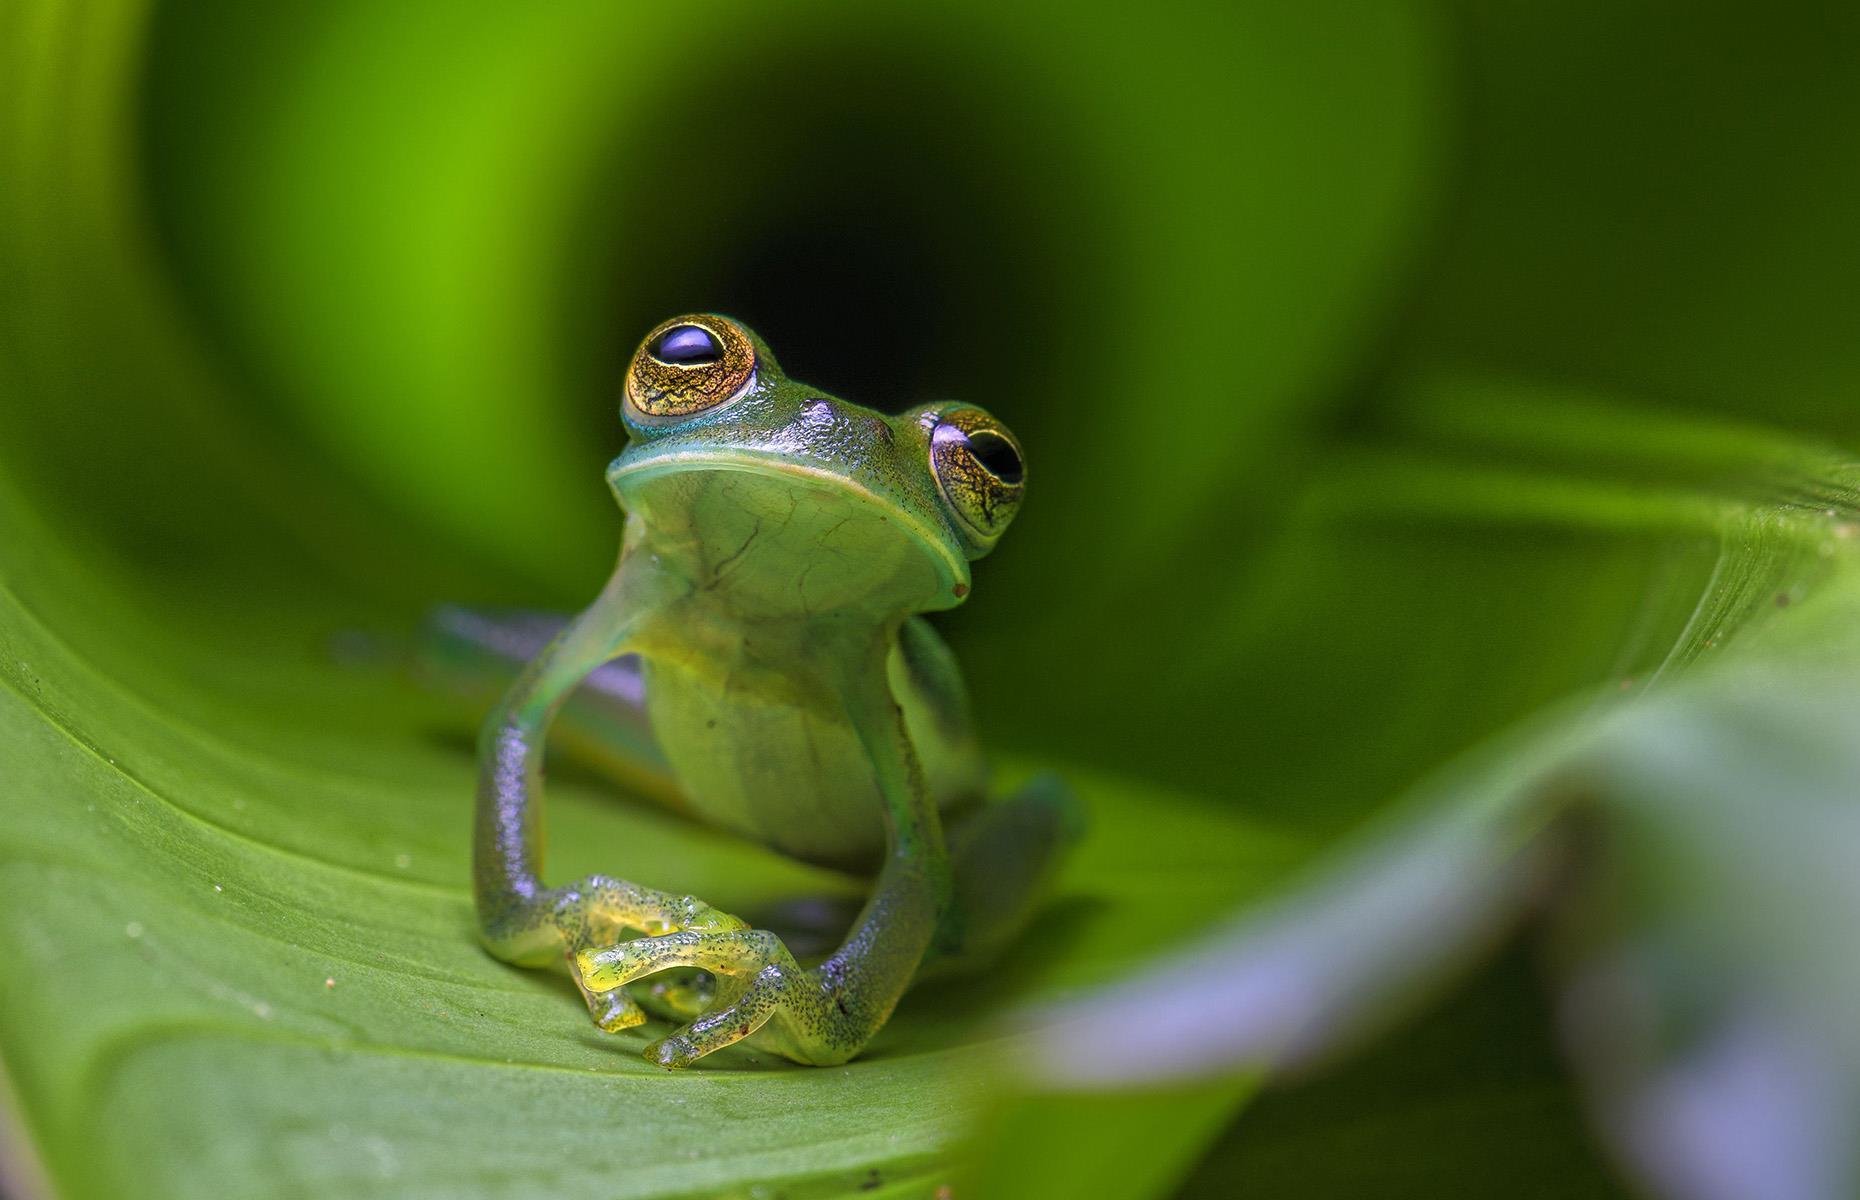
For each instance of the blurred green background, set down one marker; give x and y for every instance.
(1370, 361)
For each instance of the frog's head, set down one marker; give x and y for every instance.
(791, 498)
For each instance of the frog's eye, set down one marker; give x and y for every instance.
(689, 365)
(979, 469)
(686, 346)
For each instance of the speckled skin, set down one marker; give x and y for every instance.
(778, 546)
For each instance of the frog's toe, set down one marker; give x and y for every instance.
(772, 987)
(612, 1010)
(615, 1011)
(754, 976)
(671, 1053)
(738, 953)
(695, 916)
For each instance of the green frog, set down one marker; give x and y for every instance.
(764, 617)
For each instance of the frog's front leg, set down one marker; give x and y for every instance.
(521, 920)
(826, 1014)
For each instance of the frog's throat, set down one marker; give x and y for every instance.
(954, 564)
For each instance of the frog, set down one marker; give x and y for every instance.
(765, 627)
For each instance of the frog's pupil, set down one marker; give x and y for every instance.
(997, 456)
(686, 346)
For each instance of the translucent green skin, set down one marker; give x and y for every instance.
(777, 549)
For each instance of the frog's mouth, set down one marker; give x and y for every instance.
(686, 490)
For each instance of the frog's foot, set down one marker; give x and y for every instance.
(597, 909)
(757, 976)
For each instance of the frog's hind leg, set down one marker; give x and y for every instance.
(481, 649)
(1003, 859)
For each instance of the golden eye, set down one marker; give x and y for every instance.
(978, 467)
(688, 365)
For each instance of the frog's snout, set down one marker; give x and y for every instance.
(845, 424)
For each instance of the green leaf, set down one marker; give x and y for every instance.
(1691, 846)
(214, 934)
(243, 928)
(1381, 395)
(293, 370)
